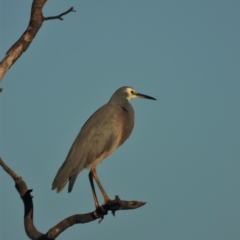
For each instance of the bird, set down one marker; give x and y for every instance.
(107, 129)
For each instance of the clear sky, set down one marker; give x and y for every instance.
(183, 157)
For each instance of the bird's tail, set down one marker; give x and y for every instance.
(60, 187)
(72, 180)
(65, 174)
(57, 186)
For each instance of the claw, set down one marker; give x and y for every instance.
(100, 220)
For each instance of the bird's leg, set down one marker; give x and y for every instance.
(94, 175)
(93, 189)
(99, 210)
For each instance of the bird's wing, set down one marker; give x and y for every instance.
(97, 136)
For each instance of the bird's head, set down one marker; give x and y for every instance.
(127, 93)
(132, 93)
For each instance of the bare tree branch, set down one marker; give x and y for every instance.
(54, 232)
(22, 44)
(22, 189)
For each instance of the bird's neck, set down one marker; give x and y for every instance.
(124, 103)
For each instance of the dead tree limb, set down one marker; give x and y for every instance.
(60, 15)
(22, 44)
(54, 232)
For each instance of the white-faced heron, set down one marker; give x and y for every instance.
(107, 129)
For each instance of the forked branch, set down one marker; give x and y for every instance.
(54, 232)
(22, 44)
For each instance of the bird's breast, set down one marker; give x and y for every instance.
(128, 123)
(118, 129)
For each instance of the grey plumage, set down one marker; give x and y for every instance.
(103, 132)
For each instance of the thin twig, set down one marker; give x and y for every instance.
(60, 15)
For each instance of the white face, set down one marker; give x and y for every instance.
(131, 93)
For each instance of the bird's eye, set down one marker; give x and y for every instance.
(132, 92)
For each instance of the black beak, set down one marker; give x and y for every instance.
(144, 96)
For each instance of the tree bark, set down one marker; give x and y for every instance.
(54, 232)
(22, 44)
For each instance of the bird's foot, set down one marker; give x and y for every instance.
(100, 212)
(109, 202)
(112, 203)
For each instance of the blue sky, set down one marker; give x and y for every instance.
(183, 155)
